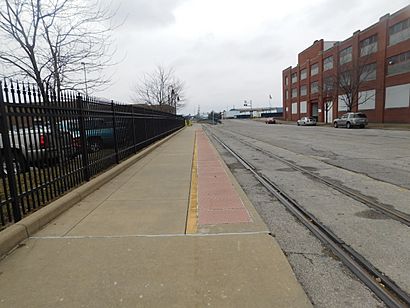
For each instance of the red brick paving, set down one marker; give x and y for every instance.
(218, 201)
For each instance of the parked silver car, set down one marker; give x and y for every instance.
(35, 145)
(306, 121)
(351, 119)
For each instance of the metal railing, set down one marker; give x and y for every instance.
(52, 143)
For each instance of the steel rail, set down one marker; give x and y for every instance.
(392, 213)
(391, 294)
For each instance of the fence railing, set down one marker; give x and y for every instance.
(52, 143)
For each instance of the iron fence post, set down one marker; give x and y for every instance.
(117, 159)
(83, 138)
(8, 157)
(134, 137)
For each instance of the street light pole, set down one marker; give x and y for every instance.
(85, 79)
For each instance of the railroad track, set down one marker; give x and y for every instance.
(381, 208)
(391, 294)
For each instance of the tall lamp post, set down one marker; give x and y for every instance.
(85, 79)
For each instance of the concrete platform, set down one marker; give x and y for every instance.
(127, 243)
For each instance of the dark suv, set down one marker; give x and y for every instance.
(351, 119)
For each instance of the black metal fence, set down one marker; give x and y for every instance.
(52, 143)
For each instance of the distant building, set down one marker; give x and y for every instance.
(261, 112)
(384, 88)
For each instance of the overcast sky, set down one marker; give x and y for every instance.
(228, 51)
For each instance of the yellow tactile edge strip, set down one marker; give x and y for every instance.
(192, 217)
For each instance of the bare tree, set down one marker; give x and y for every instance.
(328, 93)
(162, 88)
(48, 41)
(351, 80)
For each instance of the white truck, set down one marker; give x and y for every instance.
(35, 146)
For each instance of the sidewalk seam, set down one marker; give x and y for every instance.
(191, 225)
(146, 235)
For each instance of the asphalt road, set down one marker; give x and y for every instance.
(375, 163)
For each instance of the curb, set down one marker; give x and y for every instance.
(18, 232)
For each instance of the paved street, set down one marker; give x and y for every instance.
(374, 163)
(379, 154)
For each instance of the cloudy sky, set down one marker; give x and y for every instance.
(228, 51)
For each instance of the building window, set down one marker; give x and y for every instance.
(294, 92)
(303, 74)
(303, 90)
(328, 83)
(399, 64)
(369, 72)
(398, 96)
(294, 108)
(367, 100)
(328, 63)
(303, 107)
(346, 55)
(342, 102)
(345, 78)
(314, 69)
(399, 32)
(294, 78)
(286, 94)
(314, 87)
(286, 80)
(368, 46)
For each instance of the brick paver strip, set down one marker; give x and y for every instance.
(218, 201)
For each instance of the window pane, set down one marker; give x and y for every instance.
(369, 72)
(314, 69)
(398, 96)
(303, 107)
(367, 100)
(314, 87)
(399, 32)
(328, 63)
(303, 74)
(368, 49)
(346, 55)
(399, 64)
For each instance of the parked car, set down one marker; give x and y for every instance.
(270, 121)
(99, 132)
(306, 121)
(35, 145)
(351, 119)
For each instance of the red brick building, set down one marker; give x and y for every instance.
(378, 55)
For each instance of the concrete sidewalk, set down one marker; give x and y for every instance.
(127, 243)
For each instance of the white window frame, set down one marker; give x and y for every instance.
(341, 105)
(294, 108)
(303, 107)
(367, 100)
(398, 96)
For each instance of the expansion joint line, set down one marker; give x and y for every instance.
(192, 215)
